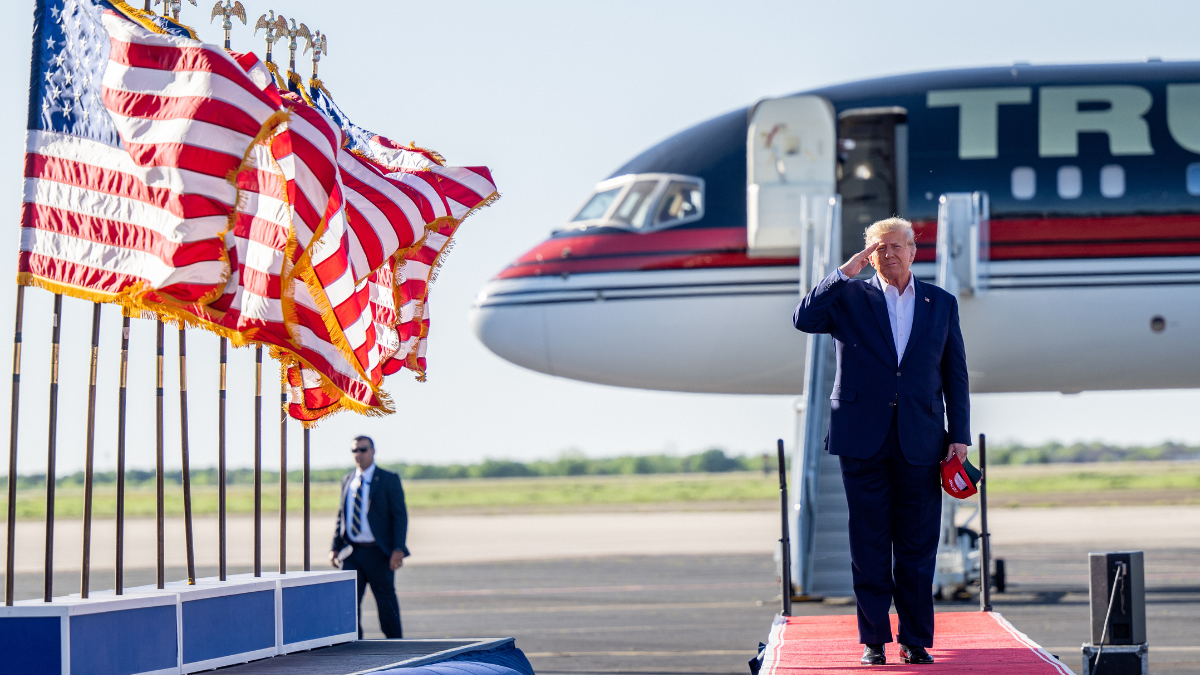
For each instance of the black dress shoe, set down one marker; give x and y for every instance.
(873, 656)
(916, 655)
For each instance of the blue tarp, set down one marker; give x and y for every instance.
(506, 660)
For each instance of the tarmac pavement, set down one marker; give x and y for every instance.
(568, 589)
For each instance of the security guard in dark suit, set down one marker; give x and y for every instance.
(373, 521)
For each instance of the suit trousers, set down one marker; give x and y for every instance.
(895, 518)
(374, 567)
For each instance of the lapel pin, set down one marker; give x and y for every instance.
(926, 299)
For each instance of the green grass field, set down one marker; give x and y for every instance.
(476, 494)
(1009, 485)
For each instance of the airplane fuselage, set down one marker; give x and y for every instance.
(1092, 260)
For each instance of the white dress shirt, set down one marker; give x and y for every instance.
(364, 533)
(901, 305)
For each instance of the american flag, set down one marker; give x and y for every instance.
(446, 195)
(174, 178)
(132, 131)
(403, 207)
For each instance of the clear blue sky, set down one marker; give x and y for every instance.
(553, 96)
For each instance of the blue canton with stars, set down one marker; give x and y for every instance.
(357, 138)
(70, 55)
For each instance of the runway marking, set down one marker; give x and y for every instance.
(600, 629)
(745, 604)
(1153, 648)
(583, 589)
(696, 652)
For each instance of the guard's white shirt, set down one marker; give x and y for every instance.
(363, 478)
(901, 305)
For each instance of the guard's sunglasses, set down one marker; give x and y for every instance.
(360, 448)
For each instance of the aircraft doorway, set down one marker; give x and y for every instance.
(872, 170)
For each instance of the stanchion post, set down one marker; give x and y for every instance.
(158, 461)
(785, 540)
(985, 565)
(283, 470)
(10, 551)
(221, 465)
(52, 449)
(85, 575)
(258, 460)
(119, 581)
(185, 459)
(307, 502)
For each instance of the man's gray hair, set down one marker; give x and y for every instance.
(876, 231)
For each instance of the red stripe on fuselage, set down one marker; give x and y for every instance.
(1011, 239)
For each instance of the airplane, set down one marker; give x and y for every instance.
(1077, 265)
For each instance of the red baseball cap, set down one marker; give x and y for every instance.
(959, 479)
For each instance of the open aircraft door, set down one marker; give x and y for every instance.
(793, 211)
(791, 159)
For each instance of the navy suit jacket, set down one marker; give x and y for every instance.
(386, 513)
(930, 384)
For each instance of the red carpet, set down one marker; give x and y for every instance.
(965, 642)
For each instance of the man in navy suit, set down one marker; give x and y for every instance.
(373, 521)
(901, 370)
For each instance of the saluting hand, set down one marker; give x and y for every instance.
(860, 260)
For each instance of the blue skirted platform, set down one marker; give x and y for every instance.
(299, 623)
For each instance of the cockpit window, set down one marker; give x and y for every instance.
(645, 202)
(680, 201)
(635, 206)
(598, 205)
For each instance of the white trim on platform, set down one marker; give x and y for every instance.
(220, 661)
(64, 625)
(774, 644)
(292, 579)
(279, 620)
(318, 642)
(164, 671)
(1033, 646)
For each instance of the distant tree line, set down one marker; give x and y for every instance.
(575, 464)
(1056, 453)
(568, 464)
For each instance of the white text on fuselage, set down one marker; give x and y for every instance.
(1060, 120)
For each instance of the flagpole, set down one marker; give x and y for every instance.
(89, 460)
(119, 586)
(306, 501)
(258, 460)
(12, 452)
(283, 470)
(185, 459)
(158, 462)
(52, 449)
(221, 466)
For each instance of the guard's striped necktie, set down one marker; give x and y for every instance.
(355, 515)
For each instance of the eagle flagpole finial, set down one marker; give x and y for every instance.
(293, 33)
(173, 6)
(319, 44)
(228, 10)
(275, 27)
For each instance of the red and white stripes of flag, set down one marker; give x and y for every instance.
(233, 205)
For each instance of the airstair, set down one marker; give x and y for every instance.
(821, 561)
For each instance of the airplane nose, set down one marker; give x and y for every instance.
(514, 332)
(721, 331)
